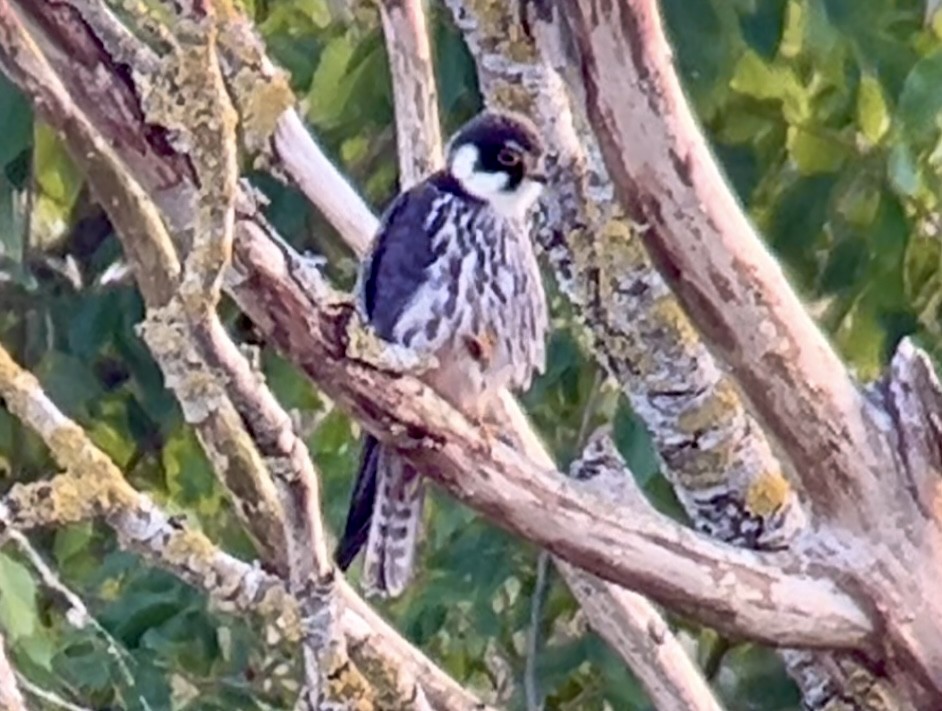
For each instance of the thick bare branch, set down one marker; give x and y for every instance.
(759, 596)
(320, 181)
(627, 621)
(708, 252)
(624, 78)
(718, 460)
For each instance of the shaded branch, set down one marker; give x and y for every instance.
(93, 486)
(146, 242)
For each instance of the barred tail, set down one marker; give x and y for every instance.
(385, 515)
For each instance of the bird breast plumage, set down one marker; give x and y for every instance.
(481, 292)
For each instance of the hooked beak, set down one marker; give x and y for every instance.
(536, 172)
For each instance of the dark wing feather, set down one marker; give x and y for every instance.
(390, 275)
(402, 253)
(361, 505)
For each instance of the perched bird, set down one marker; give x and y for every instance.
(451, 274)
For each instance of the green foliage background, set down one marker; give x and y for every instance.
(825, 116)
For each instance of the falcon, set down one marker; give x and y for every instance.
(451, 275)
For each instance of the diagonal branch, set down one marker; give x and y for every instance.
(760, 596)
(154, 259)
(713, 453)
(708, 252)
(93, 486)
(627, 621)
(402, 669)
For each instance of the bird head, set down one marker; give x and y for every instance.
(496, 157)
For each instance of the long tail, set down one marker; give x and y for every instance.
(385, 515)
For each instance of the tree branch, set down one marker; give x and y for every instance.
(401, 667)
(146, 243)
(708, 252)
(761, 596)
(10, 697)
(714, 454)
(418, 131)
(93, 486)
(630, 624)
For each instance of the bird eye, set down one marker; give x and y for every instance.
(508, 157)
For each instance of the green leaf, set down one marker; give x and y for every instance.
(71, 541)
(872, 113)
(813, 153)
(189, 476)
(330, 88)
(58, 183)
(764, 80)
(69, 381)
(18, 613)
(920, 102)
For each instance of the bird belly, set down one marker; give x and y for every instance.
(482, 313)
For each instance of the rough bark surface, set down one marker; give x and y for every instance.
(845, 447)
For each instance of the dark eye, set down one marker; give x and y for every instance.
(508, 157)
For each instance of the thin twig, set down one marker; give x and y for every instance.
(530, 684)
(47, 696)
(78, 614)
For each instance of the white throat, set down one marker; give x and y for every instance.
(492, 187)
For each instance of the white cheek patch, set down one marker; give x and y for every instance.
(482, 185)
(463, 162)
(492, 187)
